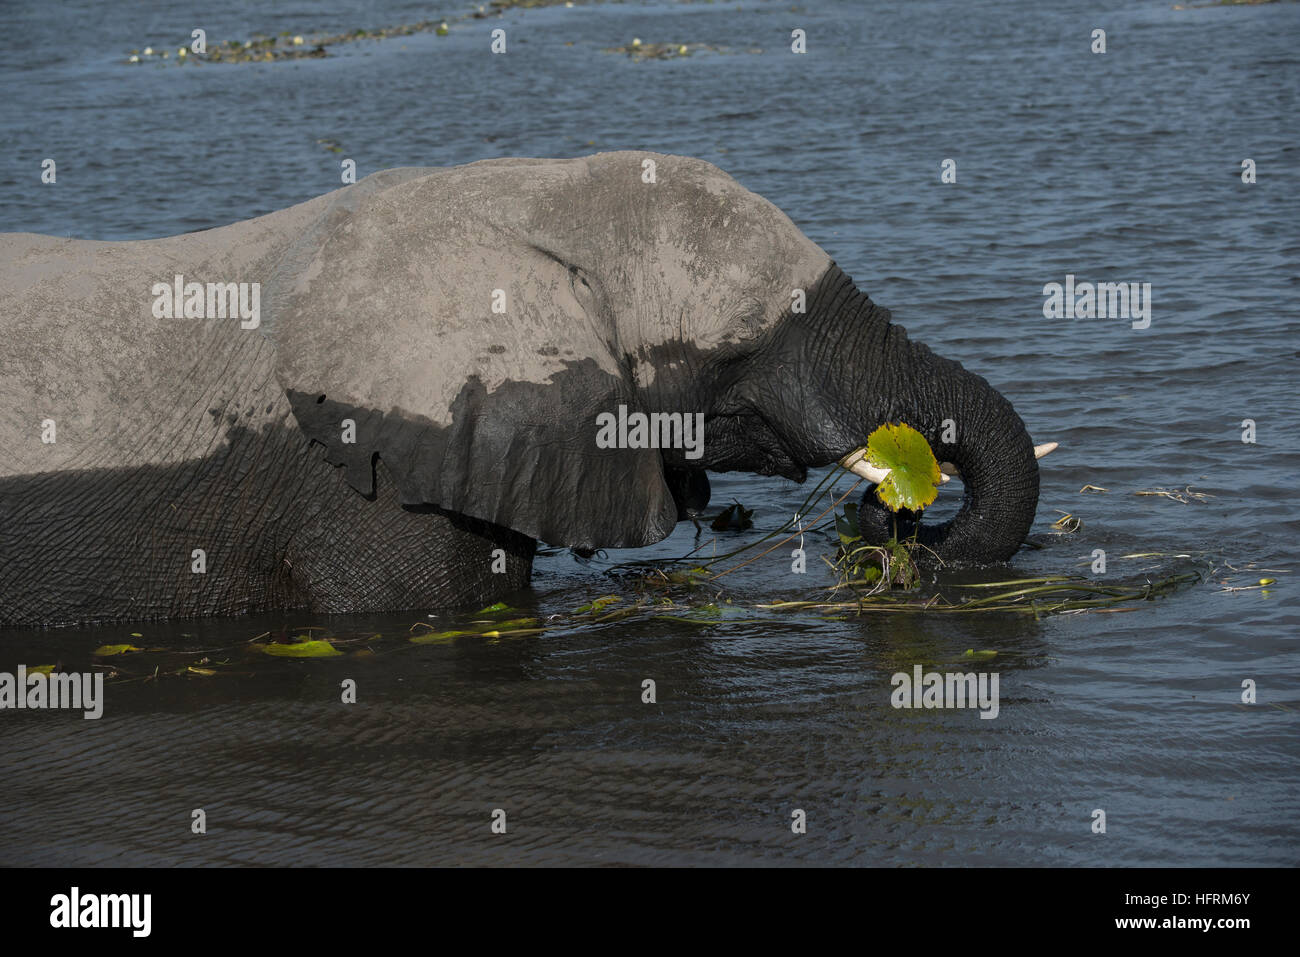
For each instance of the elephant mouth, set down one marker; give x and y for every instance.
(746, 442)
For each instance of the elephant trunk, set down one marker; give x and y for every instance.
(879, 376)
(970, 424)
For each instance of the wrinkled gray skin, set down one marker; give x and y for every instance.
(475, 430)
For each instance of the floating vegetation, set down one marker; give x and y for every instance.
(107, 651)
(1067, 523)
(287, 45)
(1260, 585)
(598, 605)
(669, 596)
(734, 518)
(500, 6)
(1051, 596)
(689, 578)
(877, 567)
(639, 51)
(489, 629)
(304, 648)
(1093, 488)
(1183, 496)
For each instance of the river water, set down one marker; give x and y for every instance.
(1123, 166)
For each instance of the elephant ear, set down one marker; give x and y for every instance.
(422, 322)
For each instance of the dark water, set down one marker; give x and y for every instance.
(1120, 167)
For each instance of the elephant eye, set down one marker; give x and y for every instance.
(573, 271)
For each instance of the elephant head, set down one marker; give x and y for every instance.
(470, 325)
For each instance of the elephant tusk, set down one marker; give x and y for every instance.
(856, 462)
(947, 468)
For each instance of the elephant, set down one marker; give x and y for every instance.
(393, 395)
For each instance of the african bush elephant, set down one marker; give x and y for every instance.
(394, 390)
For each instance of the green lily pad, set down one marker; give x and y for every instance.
(303, 649)
(499, 606)
(598, 605)
(432, 637)
(104, 651)
(913, 478)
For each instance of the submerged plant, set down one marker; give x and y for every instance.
(912, 484)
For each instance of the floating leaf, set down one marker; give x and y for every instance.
(40, 669)
(512, 633)
(735, 517)
(206, 672)
(499, 606)
(598, 605)
(690, 576)
(913, 478)
(104, 651)
(303, 649)
(972, 653)
(436, 636)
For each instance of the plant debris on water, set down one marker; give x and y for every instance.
(1183, 496)
(1067, 523)
(672, 595)
(640, 52)
(877, 567)
(289, 45)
